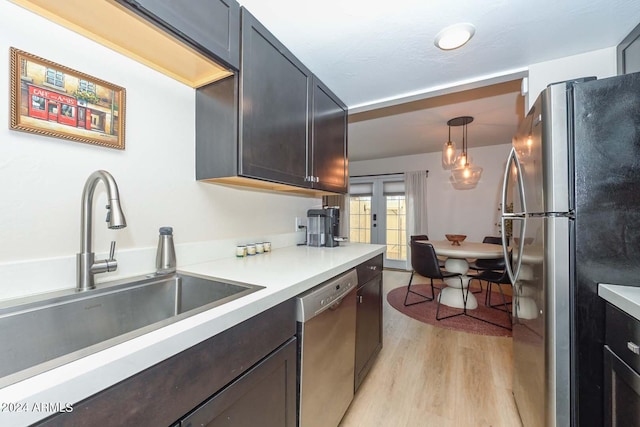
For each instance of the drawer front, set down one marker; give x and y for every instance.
(369, 269)
(623, 335)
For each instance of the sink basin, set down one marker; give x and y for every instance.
(40, 333)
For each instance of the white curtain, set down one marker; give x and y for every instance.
(415, 184)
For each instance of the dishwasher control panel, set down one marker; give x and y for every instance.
(323, 296)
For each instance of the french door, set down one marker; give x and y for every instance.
(377, 214)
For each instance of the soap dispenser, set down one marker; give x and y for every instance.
(166, 254)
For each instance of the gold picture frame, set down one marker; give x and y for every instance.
(53, 100)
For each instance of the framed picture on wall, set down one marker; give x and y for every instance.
(53, 100)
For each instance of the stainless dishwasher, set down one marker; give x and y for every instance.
(326, 331)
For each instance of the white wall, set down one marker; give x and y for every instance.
(599, 63)
(473, 212)
(42, 178)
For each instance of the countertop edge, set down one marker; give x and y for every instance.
(626, 298)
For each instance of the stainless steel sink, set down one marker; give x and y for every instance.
(40, 333)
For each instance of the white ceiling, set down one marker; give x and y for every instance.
(373, 53)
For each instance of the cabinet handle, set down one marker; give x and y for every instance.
(359, 299)
(633, 347)
(372, 267)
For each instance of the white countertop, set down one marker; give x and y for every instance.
(284, 273)
(626, 298)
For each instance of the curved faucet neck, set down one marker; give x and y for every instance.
(86, 265)
(87, 204)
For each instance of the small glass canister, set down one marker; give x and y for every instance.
(267, 246)
(241, 251)
(259, 248)
(251, 249)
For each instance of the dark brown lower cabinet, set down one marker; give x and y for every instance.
(368, 323)
(264, 396)
(243, 374)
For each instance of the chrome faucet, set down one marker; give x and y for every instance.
(86, 265)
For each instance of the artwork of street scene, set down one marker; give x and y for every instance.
(53, 100)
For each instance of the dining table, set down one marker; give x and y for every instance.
(457, 262)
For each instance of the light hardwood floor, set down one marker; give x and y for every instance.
(429, 376)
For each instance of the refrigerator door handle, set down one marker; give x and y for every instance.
(513, 157)
(513, 274)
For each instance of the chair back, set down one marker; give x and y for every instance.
(419, 237)
(495, 275)
(492, 263)
(424, 260)
(493, 240)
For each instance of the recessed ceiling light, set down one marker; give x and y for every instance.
(454, 36)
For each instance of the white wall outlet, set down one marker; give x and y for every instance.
(300, 221)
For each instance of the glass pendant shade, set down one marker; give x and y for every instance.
(467, 175)
(464, 175)
(449, 154)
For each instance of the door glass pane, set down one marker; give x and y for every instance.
(360, 219)
(396, 228)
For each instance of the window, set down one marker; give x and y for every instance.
(86, 86)
(360, 219)
(396, 227)
(54, 77)
(377, 214)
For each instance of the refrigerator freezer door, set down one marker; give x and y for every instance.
(557, 166)
(542, 145)
(527, 147)
(541, 324)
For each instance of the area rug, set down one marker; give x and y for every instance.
(426, 312)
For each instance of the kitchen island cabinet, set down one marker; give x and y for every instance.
(368, 317)
(256, 358)
(274, 125)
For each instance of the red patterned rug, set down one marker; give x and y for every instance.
(426, 312)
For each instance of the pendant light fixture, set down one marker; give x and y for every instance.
(449, 153)
(464, 175)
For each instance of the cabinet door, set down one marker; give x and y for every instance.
(264, 396)
(274, 108)
(329, 140)
(211, 26)
(368, 326)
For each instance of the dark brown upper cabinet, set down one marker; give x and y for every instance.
(210, 26)
(328, 140)
(275, 91)
(273, 125)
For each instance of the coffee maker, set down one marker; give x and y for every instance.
(323, 227)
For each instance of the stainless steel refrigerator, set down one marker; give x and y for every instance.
(572, 182)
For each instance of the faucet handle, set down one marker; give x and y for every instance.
(112, 251)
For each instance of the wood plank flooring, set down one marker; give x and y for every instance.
(428, 376)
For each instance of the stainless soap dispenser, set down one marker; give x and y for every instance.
(166, 255)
